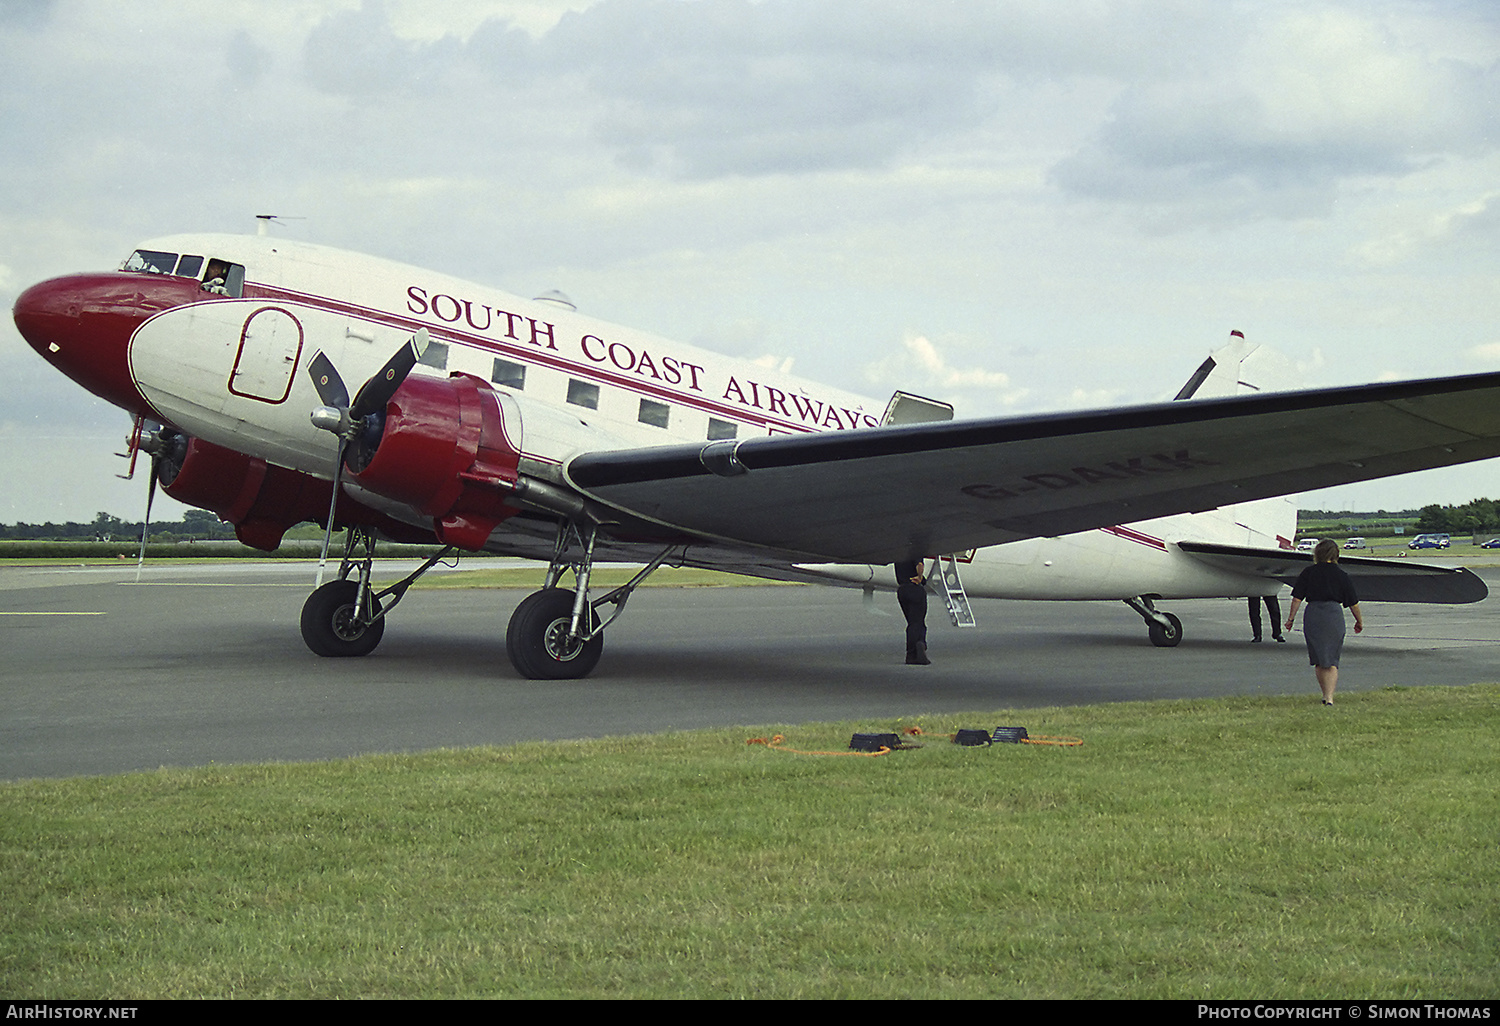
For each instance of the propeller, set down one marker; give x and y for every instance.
(167, 449)
(359, 424)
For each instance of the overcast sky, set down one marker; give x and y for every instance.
(1014, 206)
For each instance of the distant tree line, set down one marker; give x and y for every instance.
(1477, 516)
(1349, 514)
(1470, 518)
(195, 523)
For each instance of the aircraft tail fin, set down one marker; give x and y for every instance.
(1220, 373)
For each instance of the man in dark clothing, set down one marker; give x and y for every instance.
(911, 593)
(1273, 606)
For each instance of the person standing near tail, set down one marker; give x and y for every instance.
(1273, 606)
(1327, 591)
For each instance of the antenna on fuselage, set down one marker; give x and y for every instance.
(265, 222)
(557, 298)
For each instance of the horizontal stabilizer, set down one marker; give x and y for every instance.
(1375, 580)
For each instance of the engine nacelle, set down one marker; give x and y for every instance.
(450, 449)
(260, 499)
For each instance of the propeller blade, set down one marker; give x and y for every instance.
(146, 524)
(326, 380)
(338, 476)
(375, 393)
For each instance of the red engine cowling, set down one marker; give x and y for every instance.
(450, 448)
(262, 500)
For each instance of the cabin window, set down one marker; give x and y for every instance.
(435, 355)
(581, 393)
(511, 375)
(655, 414)
(189, 266)
(151, 262)
(718, 429)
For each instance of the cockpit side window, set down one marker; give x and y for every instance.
(189, 266)
(224, 278)
(150, 261)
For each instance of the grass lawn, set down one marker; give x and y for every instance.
(1259, 847)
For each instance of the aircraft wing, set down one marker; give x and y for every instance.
(882, 494)
(1375, 580)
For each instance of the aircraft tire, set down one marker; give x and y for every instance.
(1164, 637)
(536, 638)
(328, 624)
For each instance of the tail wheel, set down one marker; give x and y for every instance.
(1165, 637)
(537, 639)
(332, 626)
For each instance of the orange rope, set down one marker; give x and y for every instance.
(775, 744)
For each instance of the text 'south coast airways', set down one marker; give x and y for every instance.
(637, 359)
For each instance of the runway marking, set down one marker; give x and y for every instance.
(210, 584)
(44, 612)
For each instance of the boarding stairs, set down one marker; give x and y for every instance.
(953, 592)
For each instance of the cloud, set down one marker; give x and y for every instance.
(246, 59)
(1076, 193)
(1461, 229)
(26, 13)
(726, 87)
(1474, 222)
(1304, 101)
(358, 55)
(919, 366)
(1093, 398)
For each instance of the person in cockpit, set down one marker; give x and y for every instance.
(214, 280)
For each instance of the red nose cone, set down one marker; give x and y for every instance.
(82, 325)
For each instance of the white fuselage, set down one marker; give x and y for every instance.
(233, 372)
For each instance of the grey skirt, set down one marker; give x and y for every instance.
(1323, 627)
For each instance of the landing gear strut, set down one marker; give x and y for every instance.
(1164, 629)
(347, 617)
(556, 634)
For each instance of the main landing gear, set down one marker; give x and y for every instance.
(346, 617)
(556, 634)
(1164, 629)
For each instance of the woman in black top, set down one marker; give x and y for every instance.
(1325, 588)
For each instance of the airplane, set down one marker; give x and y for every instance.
(482, 421)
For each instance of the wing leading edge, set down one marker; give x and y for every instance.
(882, 494)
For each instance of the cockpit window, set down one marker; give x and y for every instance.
(150, 261)
(224, 279)
(220, 277)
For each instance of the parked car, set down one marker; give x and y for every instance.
(1430, 541)
(1355, 543)
(1307, 544)
(1493, 543)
